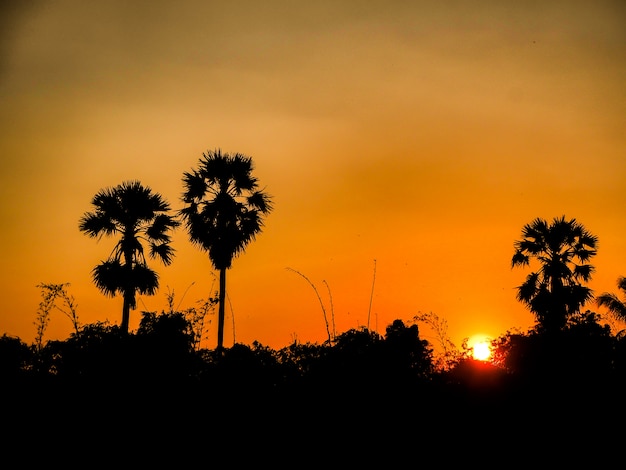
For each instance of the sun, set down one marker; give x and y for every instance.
(480, 347)
(481, 351)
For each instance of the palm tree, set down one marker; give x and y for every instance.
(612, 303)
(223, 213)
(562, 249)
(138, 215)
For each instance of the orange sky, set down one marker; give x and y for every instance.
(422, 135)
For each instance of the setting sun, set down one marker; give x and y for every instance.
(480, 347)
(481, 351)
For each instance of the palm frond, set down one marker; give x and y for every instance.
(95, 224)
(612, 304)
(144, 279)
(108, 276)
(529, 288)
(583, 272)
(195, 187)
(160, 226)
(162, 251)
(260, 201)
(224, 208)
(519, 259)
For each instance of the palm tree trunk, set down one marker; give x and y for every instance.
(220, 318)
(129, 291)
(125, 315)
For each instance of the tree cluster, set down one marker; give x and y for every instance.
(155, 388)
(564, 371)
(223, 212)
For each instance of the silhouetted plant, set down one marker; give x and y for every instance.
(407, 355)
(579, 356)
(15, 358)
(302, 360)
(613, 304)
(562, 249)
(224, 211)
(332, 308)
(43, 318)
(196, 316)
(242, 369)
(369, 310)
(319, 298)
(99, 352)
(50, 293)
(470, 382)
(136, 214)
(166, 346)
(355, 358)
(439, 327)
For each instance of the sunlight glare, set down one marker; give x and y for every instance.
(481, 351)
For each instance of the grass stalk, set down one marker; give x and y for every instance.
(318, 298)
(369, 312)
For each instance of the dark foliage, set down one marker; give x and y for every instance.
(137, 216)
(562, 249)
(173, 400)
(224, 212)
(15, 357)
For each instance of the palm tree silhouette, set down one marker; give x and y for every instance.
(224, 212)
(555, 291)
(612, 303)
(137, 215)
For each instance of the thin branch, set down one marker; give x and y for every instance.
(232, 313)
(318, 298)
(50, 293)
(371, 297)
(184, 293)
(332, 309)
(439, 327)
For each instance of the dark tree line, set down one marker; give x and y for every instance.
(162, 350)
(568, 366)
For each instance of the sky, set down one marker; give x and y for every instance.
(404, 143)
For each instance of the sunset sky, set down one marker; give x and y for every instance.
(405, 144)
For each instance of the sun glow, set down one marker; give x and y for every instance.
(481, 351)
(480, 347)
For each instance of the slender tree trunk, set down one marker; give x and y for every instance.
(559, 306)
(125, 315)
(129, 291)
(220, 318)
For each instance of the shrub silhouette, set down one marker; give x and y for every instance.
(15, 357)
(405, 353)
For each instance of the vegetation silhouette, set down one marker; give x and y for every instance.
(224, 212)
(555, 291)
(614, 305)
(319, 298)
(154, 387)
(393, 391)
(49, 295)
(136, 214)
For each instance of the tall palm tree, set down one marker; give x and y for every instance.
(612, 303)
(138, 215)
(224, 211)
(562, 249)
